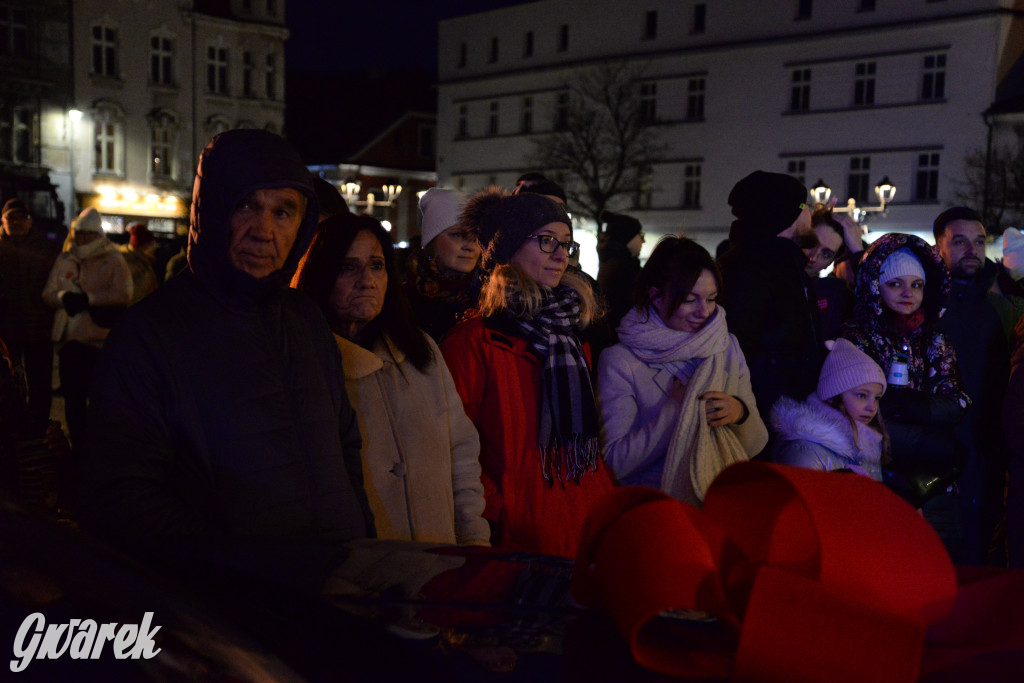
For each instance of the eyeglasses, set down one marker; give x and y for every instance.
(463, 236)
(548, 244)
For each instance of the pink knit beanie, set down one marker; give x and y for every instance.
(846, 367)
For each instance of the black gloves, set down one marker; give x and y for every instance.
(74, 302)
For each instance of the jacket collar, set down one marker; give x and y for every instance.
(358, 362)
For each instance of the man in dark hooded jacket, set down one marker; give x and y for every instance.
(763, 290)
(222, 431)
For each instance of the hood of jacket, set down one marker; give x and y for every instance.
(820, 423)
(869, 308)
(232, 165)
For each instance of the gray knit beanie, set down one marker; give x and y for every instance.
(846, 367)
(441, 209)
(899, 263)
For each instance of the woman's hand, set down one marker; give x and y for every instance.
(721, 408)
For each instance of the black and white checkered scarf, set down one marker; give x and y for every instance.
(568, 424)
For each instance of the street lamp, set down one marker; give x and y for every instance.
(884, 190)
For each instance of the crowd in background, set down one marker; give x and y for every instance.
(296, 382)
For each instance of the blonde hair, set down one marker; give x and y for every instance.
(510, 277)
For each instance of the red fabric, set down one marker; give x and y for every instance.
(498, 380)
(817, 576)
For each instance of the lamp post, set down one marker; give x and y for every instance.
(884, 190)
(74, 116)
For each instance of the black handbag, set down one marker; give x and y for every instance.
(106, 316)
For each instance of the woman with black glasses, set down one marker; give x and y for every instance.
(524, 376)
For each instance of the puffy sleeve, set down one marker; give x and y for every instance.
(630, 445)
(470, 526)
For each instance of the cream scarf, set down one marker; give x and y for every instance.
(697, 452)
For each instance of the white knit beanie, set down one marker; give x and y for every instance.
(900, 263)
(1013, 252)
(846, 367)
(441, 209)
(89, 221)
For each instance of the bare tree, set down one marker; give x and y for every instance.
(604, 142)
(998, 194)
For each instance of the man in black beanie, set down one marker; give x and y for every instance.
(618, 251)
(763, 286)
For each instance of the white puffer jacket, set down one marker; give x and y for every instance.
(815, 435)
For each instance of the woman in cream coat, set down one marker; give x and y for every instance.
(420, 452)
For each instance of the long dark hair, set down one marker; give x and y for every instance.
(318, 272)
(673, 269)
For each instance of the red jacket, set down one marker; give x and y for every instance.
(498, 379)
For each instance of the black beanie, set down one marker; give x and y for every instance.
(505, 221)
(538, 184)
(769, 202)
(620, 227)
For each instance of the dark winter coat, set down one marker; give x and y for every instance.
(25, 263)
(616, 276)
(1013, 429)
(219, 410)
(975, 322)
(499, 380)
(763, 284)
(921, 416)
(831, 301)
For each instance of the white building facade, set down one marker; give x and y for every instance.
(154, 80)
(846, 91)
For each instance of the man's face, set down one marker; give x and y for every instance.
(263, 228)
(16, 223)
(962, 247)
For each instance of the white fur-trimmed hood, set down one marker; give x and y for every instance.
(820, 423)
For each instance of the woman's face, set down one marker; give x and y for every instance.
(820, 257)
(358, 294)
(903, 294)
(696, 308)
(543, 268)
(456, 249)
(861, 402)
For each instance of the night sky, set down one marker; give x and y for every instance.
(340, 35)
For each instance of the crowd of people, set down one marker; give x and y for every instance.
(296, 384)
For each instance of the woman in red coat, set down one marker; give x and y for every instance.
(524, 377)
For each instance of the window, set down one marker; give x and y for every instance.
(648, 102)
(865, 5)
(160, 150)
(933, 83)
(695, 99)
(651, 25)
(160, 61)
(104, 50)
(426, 136)
(270, 77)
(803, 9)
(109, 141)
(857, 181)
(644, 189)
(563, 37)
(492, 121)
(926, 186)
(864, 84)
(217, 70)
(18, 134)
(700, 14)
(13, 32)
(462, 55)
(526, 124)
(528, 44)
(691, 186)
(798, 169)
(493, 56)
(561, 121)
(800, 91)
(463, 130)
(247, 68)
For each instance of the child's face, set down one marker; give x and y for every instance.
(861, 402)
(903, 294)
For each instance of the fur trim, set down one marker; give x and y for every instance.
(820, 423)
